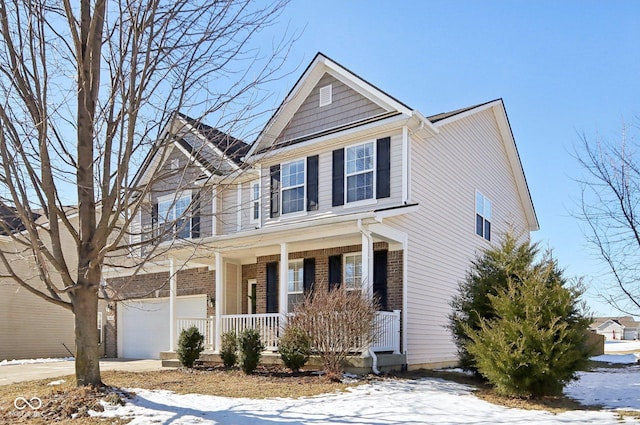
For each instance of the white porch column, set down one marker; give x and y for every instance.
(173, 290)
(367, 263)
(219, 295)
(283, 290)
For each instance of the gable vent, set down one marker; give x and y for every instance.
(325, 95)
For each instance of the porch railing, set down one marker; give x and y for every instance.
(387, 324)
(269, 325)
(206, 326)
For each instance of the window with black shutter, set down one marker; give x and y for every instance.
(383, 168)
(195, 216)
(335, 271)
(337, 186)
(275, 191)
(309, 274)
(312, 183)
(272, 287)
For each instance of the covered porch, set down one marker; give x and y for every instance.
(260, 279)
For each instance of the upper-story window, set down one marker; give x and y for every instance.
(255, 202)
(171, 216)
(293, 186)
(361, 172)
(483, 216)
(359, 168)
(352, 271)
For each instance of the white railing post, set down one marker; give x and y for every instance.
(396, 332)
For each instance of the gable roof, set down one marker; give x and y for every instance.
(500, 114)
(319, 67)
(214, 151)
(624, 321)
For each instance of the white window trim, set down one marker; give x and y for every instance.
(250, 283)
(325, 95)
(485, 201)
(173, 199)
(255, 201)
(303, 185)
(344, 270)
(365, 201)
(299, 262)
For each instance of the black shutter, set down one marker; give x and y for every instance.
(154, 219)
(275, 191)
(383, 171)
(337, 187)
(272, 287)
(312, 183)
(335, 271)
(195, 216)
(380, 278)
(309, 274)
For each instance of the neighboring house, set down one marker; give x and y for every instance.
(616, 328)
(30, 327)
(346, 187)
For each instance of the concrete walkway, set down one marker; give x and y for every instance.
(10, 374)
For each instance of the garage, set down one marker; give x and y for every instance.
(143, 324)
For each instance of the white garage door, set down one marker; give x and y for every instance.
(143, 325)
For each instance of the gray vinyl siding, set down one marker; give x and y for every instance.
(228, 213)
(325, 175)
(347, 106)
(466, 156)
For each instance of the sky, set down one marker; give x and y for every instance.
(563, 68)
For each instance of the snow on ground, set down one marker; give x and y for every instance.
(621, 346)
(32, 361)
(388, 402)
(391, 402)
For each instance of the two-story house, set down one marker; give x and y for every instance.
(345, 187)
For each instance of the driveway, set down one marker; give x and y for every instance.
(10, 374)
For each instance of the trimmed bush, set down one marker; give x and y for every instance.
(251, 349)
(527, 337)
(294, 347)
(190, 345)
(229, 349)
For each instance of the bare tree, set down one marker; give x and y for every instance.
(610, 208)
(85, 89)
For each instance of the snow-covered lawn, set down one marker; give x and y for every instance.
(394, 402)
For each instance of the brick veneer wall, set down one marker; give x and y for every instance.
(394, 272)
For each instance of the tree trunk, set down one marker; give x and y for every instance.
(85, 309)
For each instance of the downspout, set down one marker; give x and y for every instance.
(367, 235)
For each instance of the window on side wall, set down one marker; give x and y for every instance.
(296, 283)
(255, 202)
(352, 271)
(359, 171)
(293, 177)
(483, 216)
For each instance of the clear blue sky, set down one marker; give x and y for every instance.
(563, 68)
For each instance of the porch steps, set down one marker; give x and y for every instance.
(355, 364)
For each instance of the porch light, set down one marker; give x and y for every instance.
(211, 300)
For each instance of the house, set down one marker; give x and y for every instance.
(616, 328)
(30, 327)
(346, 187)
